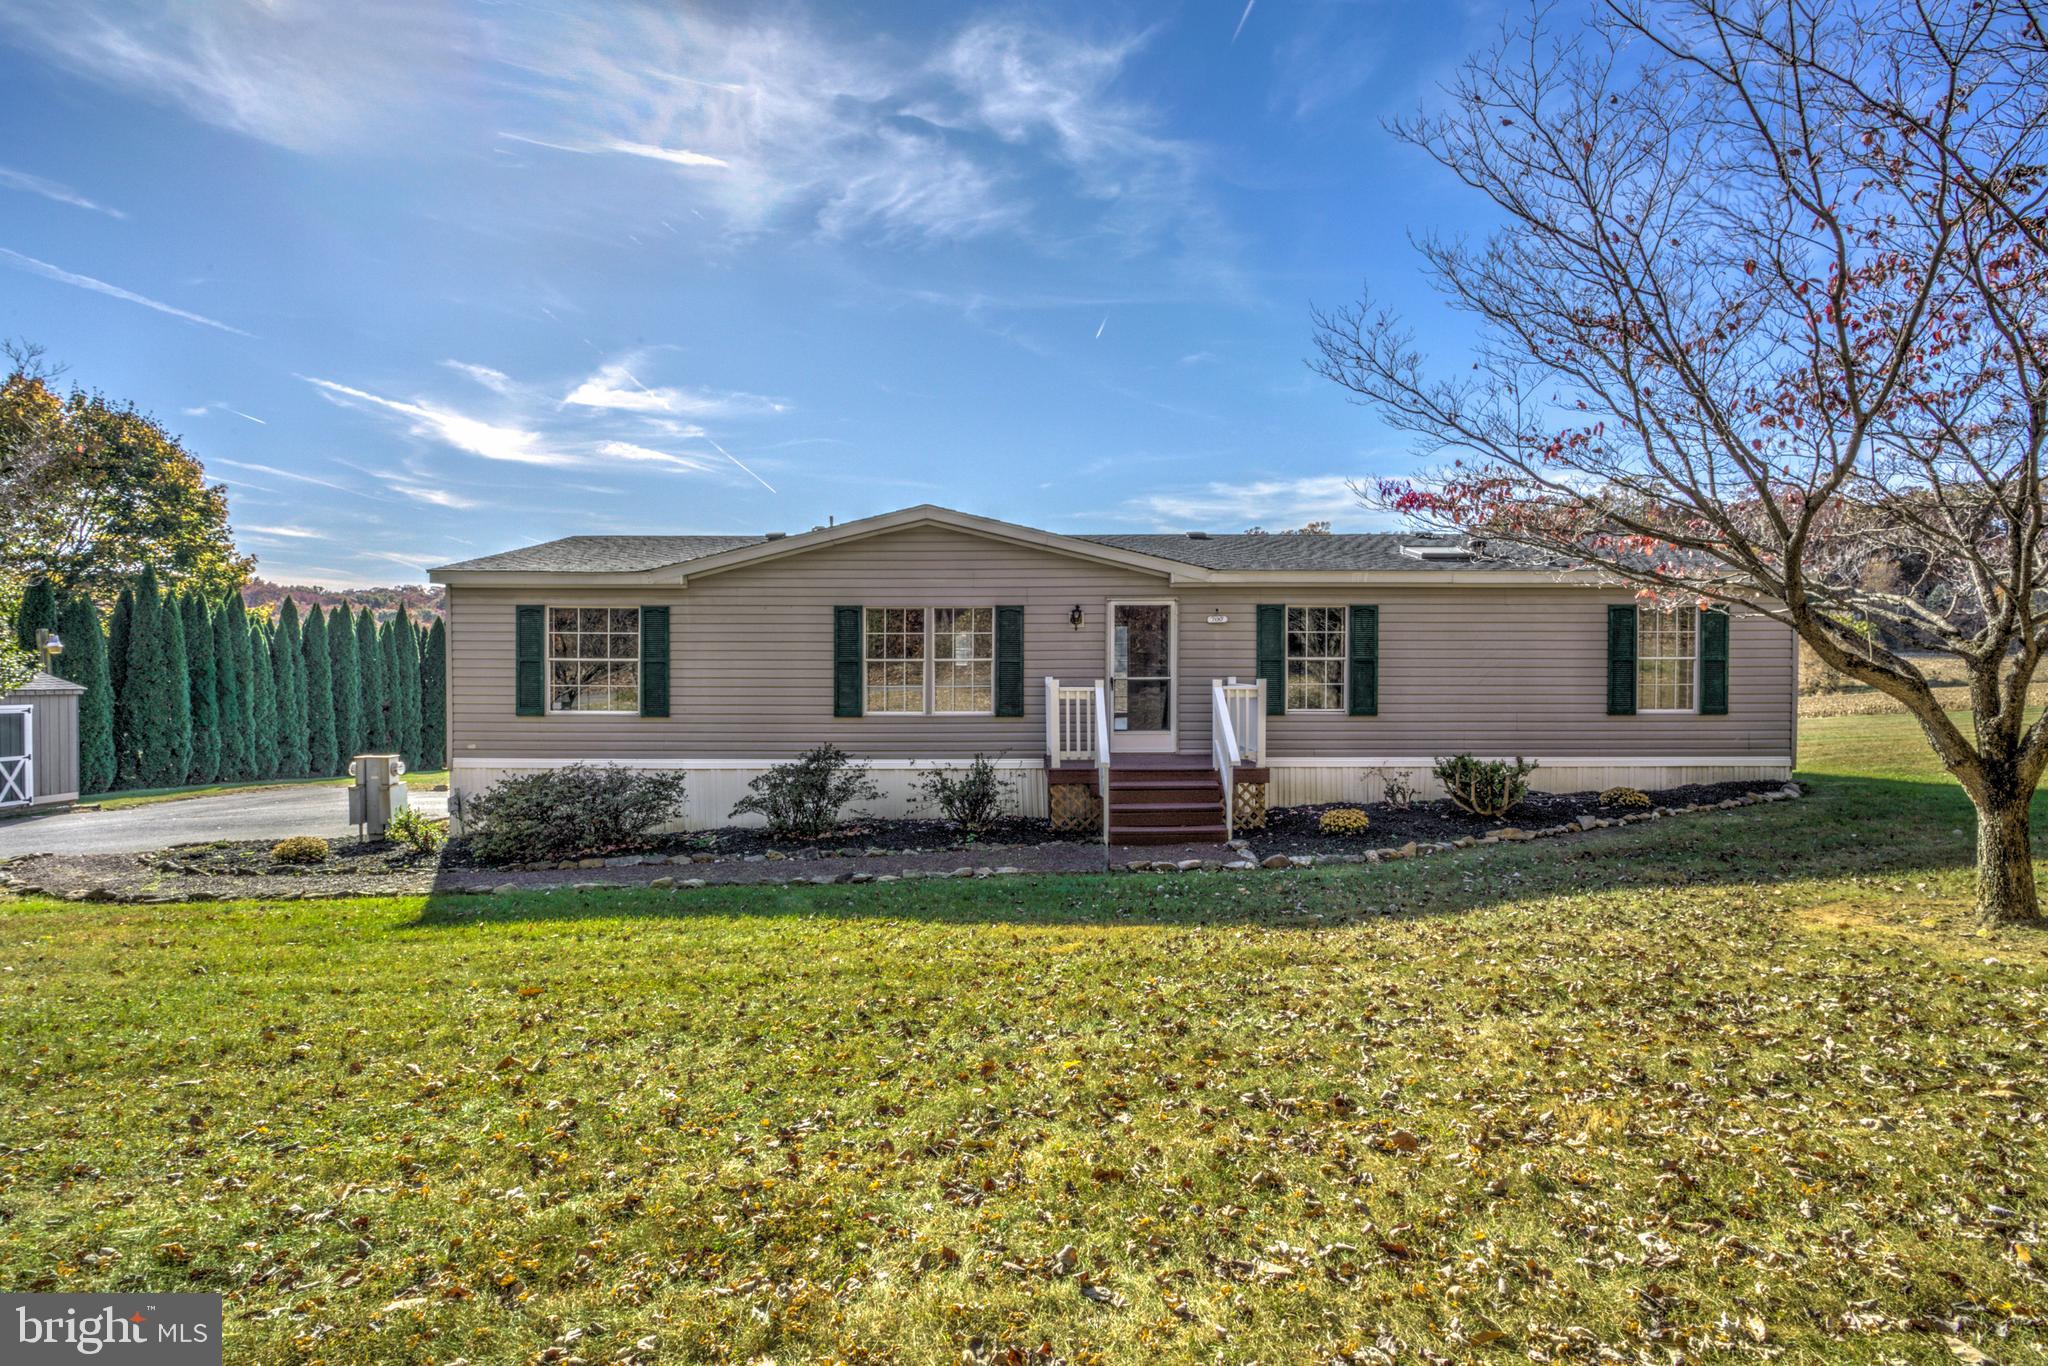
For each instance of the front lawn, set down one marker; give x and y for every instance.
(1738, 1085)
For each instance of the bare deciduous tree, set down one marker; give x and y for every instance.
(1765, 323)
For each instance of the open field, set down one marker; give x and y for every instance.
(1746, 1084)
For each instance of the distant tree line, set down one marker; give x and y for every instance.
(189, 687)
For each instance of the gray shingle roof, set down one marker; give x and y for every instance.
(1368, 551)
(607, 554)
(1372, 550)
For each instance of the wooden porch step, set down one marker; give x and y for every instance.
(1168, 834)
(1129, 815)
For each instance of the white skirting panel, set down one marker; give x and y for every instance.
(715, 784)
(1311, 782)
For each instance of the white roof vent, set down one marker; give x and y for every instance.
(1437, 552)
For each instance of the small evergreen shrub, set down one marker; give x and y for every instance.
(803, 799)
(301, 849)
(1485, 787)
(581, 811)
(409, 828)
(972, 798)
(1344, 820)
(1624, 796)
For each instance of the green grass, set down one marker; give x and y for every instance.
(149, 796)
(1736, 1085)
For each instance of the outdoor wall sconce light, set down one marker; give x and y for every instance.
(1075, 617)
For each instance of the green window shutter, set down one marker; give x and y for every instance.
(1272, 657)
(1009, 661)
(654, 661)
(530, 661)
(846, 661)
(1621, 660)
(1714, 662)
(1365, 661)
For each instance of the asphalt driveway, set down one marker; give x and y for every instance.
(258, 814)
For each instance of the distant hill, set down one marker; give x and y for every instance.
(422, 602)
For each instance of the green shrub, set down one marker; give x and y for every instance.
(803, 799)
(972, 798)
(1485, 787)
(300, 849)
(410, 828)
(1624, 796)
(1344, 820)
(581, 811)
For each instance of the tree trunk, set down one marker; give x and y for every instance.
(2005, 861)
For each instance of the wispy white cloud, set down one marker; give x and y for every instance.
(434, 497)
(276, 473)
(1275, 504)
(76, 281)
(497, 381)
(615, 385)
(490, 440)
(50, 189)
(304, 74)
(643, 455)
(205, 408)
(285, 533)
(675, 156)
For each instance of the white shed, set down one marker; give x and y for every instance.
(39, 744)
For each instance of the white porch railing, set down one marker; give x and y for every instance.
(1077, 731)
(1237, 736)
(1069, 722)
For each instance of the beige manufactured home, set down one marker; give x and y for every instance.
(1169, 678)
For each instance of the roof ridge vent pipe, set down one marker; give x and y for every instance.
(1198, 535)
(777, 535)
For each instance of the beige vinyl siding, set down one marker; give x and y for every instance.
(1491, 670)
(1499, 671)
(751, 653)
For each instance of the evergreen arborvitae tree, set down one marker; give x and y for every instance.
(38, 613)
(159, 702)
(229, 694)
(434, 698)
(262, 704)
(387, 669)
(289, 645)
(199, 659)
(84, 662)
(119, 627)
(348, 684)
(370, 647)
(405, 690)
(319, 696)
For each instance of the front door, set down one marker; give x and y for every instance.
(1141, 658)
(17, 760)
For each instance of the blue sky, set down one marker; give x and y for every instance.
(424, 280)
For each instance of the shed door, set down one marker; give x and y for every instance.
(17, 756)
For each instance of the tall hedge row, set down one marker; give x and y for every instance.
(183, 690)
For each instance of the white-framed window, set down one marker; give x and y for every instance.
(1315, 658)
(593, 659)
(940, 660)
(964, 660)
(896, 657)
(1667, 659)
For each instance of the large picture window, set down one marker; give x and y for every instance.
(896, 659)
(931, 659)
(1667, 659)
(963, 659)
(1315, 658)
(594, 659)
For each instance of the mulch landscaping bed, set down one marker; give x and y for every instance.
(1294, 829)
(852, 839)
(252, 858)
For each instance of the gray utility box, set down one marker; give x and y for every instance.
(379, 791)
